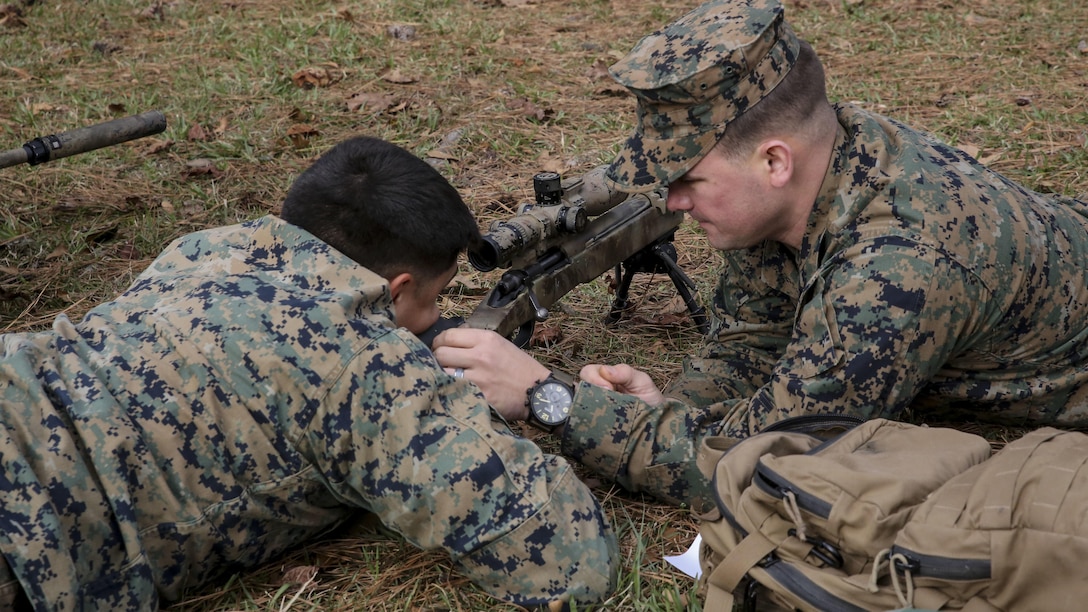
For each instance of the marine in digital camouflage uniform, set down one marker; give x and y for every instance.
(249, 392)
(922, 280)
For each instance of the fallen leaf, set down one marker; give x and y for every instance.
(395, 76)
(297, 114)
(370, 102)
(197, 133)
(668, 320)
(598, 71)
(44, 107)
(545, 335)
(528, 109)
(675, 305)
(200, 167)
(317, 76)
(300, 134)
(155, 145)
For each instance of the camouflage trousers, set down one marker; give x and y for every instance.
(12, 596)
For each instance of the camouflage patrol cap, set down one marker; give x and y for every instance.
(692, 78)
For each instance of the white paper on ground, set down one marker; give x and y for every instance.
(689, 561)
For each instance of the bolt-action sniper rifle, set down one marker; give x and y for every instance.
(576, 230)
(81, 140)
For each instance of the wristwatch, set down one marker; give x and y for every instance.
(549, 402)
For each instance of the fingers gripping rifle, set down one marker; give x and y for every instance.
(81, 140)
(577, 229)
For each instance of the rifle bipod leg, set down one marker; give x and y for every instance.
(657, 257)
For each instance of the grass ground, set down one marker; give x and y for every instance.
(492, 91)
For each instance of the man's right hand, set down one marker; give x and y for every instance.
(623, 378)
(504, 372)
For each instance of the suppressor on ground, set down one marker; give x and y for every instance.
(81, 140)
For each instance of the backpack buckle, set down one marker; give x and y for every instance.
(823, 550)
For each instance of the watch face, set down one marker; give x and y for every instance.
(551, 402)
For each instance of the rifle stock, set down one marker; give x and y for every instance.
(578, 229)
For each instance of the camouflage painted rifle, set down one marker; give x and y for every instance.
(576, 230)
(81, 140)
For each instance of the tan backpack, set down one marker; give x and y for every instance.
(890, 515)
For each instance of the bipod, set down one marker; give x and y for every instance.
(656, 257)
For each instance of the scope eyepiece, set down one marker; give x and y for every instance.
(486, 256)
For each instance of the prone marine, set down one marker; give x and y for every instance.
(262, 383)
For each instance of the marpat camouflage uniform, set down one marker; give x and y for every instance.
(249, 392)
(924, 281)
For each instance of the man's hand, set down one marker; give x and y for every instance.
(500, 369)
(622, 378)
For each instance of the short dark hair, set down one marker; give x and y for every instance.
(786, 107)
(383, 207)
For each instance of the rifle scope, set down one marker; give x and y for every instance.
(562, 206)
(81, 140)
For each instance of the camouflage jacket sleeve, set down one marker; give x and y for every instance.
(425, 453)
(923, 277)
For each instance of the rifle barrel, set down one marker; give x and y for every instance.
(81, 140)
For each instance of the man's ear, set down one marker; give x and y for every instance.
(400, 283)
(777, 155)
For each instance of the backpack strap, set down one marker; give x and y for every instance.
(725, 578)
